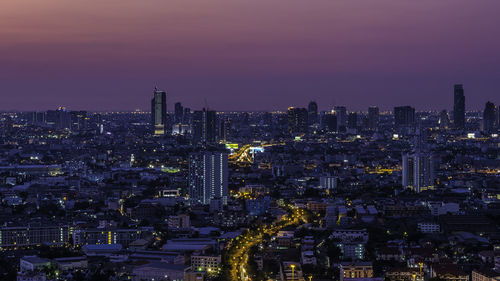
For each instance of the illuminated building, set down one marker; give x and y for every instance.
(208, 177)
(297, 120)
(159, 112)
(209, 264)
(418, 171)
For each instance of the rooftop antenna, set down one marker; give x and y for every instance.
(206, 103)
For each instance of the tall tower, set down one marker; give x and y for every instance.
(159, 112)
(459, 107)
(208, 177)
(204, 126)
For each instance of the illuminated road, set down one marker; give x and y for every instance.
(238, 252)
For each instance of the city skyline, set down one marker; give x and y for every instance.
(272, 57)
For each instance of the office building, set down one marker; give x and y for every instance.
(352, 120)
(159, 112)
(204, 126)
(489, 117)
(297, 120)
(404, 116)
(373, 117)
(179, 113)
(341, 113)
(312, 110)
(459, 107)
(208, 177)
(418, 171)
(444, 120)
(79, 120)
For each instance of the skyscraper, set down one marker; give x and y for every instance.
(459, 107)
(373, 117)
(404, 116)
(312, 110)
(489, 118)
(297, 120)
(208, 177)
(418, 171)
(159, 112)
(329, 122)
(204, 126)
(179, 113)
(341, 113)
(352, 120)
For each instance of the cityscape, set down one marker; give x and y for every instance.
(249, 140)
(298, 194)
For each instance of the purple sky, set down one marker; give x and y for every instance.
(248, 54)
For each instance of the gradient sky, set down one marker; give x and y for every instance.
(248, 54)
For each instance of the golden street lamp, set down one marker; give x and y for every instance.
(293, 268)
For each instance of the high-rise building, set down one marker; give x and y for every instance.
(418, 171)
(341, 113)
(312, 110)
(79, 120)
(297, 120)
(352, 120)
(159, 112)
(224, 128)
(444, 120)
(204, 126)
(208, 177)
(329, 122)
(489, 117)
(404, 116)
(373, 117)
(179, 113)
(459, 107)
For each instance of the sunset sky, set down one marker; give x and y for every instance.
(248, 54)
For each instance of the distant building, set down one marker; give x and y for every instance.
(297, 120)
(328, 182)
(179, 222)
(208, 177)
(459, 107)
(352, 120)
(404, 116)
(159, 112)
(489, 118)
(312, 111)
(428, 227)
(373, 117)
(209, 264)
(179, 113)
(204, 126)
(341, 113)
(351, 270)
(444, 120)
(418, 171)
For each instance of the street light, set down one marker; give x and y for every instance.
(293, 268)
